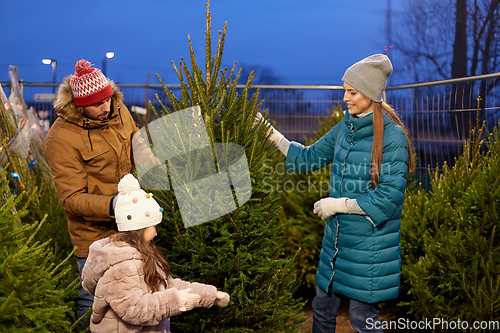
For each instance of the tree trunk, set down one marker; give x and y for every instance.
(460, 91)
(486, 55)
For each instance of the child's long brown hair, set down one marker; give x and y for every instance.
(152, 257)
(378, 138)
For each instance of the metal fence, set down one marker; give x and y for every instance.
(437, 114)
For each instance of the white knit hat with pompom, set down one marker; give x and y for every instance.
(135, 209)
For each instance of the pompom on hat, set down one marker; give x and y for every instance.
(135, 209)
(89, 85)
(369, 76)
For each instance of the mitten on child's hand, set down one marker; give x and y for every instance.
(188, 300)
(222, 299)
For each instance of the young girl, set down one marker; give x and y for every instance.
(130, 277)
(371, 155)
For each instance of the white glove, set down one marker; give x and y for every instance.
(222, 299)
(330, 206)
(258, 118)
(276, 138)
(189, 301)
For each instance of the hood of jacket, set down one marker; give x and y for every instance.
(66, 108)
(103, 254)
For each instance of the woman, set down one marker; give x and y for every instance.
(371, 155)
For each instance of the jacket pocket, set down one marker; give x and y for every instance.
(98, 147)
(99, 163)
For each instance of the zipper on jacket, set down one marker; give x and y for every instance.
(336, 252)
(340, 192)
(343, 171)
(86, 125)
(120, 114)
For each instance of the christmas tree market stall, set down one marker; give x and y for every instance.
(264, 249)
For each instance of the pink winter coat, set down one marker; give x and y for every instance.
(122, 303)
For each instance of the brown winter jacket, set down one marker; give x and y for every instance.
(88, 158)
(122, 303)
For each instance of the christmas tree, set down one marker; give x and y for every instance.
(240, 252)
(450, 238)
(34, 284)
(26, 175)
(23, 150)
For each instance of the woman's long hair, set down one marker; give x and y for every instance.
(153, 258)
(378, 140)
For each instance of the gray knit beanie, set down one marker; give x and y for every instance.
(369, 76)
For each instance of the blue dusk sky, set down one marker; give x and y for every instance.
(300, 42)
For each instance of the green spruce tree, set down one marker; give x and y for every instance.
(23, 148)
(450, 238)
(240, 252)
(34, 285)
(27, 175)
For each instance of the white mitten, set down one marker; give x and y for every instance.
(330, 206)
(276, 138)
(222, 299)
(189, 301)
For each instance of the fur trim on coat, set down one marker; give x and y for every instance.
(66, 108)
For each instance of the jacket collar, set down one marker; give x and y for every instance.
(361, 127)
(88, 123)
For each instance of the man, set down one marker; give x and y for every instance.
(90, 147)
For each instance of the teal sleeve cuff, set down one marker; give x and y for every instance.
(291, 156)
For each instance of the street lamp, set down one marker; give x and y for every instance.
(52, 62)
(109, 55)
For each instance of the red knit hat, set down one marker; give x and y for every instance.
(89, 85)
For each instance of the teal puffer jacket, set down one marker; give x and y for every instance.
(361, 255)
